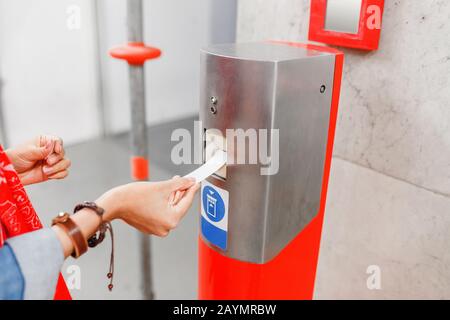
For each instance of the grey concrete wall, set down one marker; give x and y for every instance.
(389, 192)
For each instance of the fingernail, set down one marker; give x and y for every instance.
(192, 179)
(47, 170)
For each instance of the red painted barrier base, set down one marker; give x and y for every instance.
(289, 276)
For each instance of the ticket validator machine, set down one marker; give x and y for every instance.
(260, 224)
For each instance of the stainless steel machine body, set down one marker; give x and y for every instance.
(269, 86)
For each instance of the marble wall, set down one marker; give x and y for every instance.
(391, 175)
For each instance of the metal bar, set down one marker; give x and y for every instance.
(222, 21)
(101, 108)
(135, 21)
(139, 129)
(137, 99)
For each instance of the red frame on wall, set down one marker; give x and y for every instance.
(365, 39)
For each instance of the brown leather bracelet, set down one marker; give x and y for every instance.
(99, 236)
(90, 205)
(73, 231)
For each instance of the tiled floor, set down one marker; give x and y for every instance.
(371, 219)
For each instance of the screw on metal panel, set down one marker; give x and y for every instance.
(322, 89)
(213, 107)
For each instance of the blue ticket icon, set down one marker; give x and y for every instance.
(214, 226)
(211, 206)
(213, 202)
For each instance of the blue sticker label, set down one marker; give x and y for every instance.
(214, 235)
(213, 202)
(214, 215)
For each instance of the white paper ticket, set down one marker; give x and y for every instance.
(217, 161)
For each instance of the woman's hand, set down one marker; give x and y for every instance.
(151, 207)
(39, 160)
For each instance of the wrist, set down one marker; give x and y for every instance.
(112, 202)
(64, 239)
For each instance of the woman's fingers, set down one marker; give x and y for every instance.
(177, 196)
(59, 147)
(56, 145)
(178, 187)
(60, 175)
(54, 158)
(185, 202)
(173, 194)
(33, 153)
(62, 165)
(177, 184)
(56, 164)
(57, 142)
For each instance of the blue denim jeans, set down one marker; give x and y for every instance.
(12, 283)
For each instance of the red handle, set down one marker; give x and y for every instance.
(135, 53)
